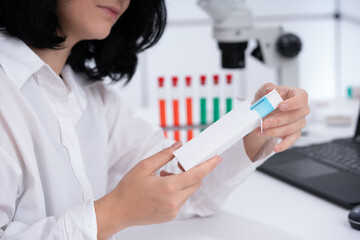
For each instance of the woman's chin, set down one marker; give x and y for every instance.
(99, 35)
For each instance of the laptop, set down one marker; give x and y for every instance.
(329, 170)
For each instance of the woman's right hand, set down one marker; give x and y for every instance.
(142, 197)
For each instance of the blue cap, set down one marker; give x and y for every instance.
(267, 104)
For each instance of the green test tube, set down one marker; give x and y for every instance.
(216, 114)
(228, 104)
(203, 111)
(229, 92)
(216, 98)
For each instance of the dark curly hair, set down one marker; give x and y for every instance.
(139, 28)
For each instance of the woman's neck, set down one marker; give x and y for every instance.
(55, 58)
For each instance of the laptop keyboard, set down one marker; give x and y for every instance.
(342, 153)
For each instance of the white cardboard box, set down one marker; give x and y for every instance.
(225, 132)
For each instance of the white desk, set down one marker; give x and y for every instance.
(261, 208)
(264, 208)
(284, 207)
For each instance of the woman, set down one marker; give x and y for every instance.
(75, 163)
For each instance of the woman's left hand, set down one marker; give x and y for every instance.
(287, 121)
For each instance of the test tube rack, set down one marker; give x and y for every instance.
(187, 104)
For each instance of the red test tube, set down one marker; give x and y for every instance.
(162, 104)
(229, 93)
(175, 103)
(189, 119)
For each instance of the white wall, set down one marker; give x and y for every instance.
(350, 8)
(187, 48)
(350, 44)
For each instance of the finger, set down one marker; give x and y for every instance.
(283, 118)
(159, 159)
(196, 174)
(164, 173)
(187, 192)
(181, 167)
(296, 98)
(183, 202)
(287, 142)
(269, 88)
(263, 90)
(185, 196)
(177, 200)
(266, 88)
(285, 130)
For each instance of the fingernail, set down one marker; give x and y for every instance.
(269, 89)
(218, 160)
(284, 106)
(176, 145)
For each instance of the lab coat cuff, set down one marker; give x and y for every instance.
(80, 222)
(266, 151)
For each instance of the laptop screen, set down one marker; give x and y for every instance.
(357, 132)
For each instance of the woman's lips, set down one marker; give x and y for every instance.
(113, 12)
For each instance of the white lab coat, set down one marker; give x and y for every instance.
(67, 142)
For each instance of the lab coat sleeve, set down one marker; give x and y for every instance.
(76, 223)
(133, 139)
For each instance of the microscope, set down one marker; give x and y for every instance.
(233, 27)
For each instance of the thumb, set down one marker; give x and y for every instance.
(161, 158)
(263, 90)
(268, 87)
